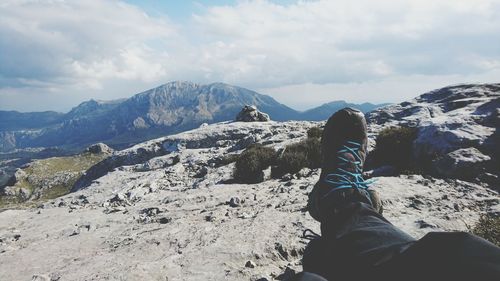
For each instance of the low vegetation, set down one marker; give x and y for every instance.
(304, 154)
(251, 163)
(488, 227)
(315, 132)
(52, 177)
(394, 147)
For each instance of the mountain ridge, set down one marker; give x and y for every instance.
(169, 108)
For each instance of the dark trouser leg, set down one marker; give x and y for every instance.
(446, 256)
(359, 243)
(358, 239)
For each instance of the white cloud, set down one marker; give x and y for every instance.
(391, 89)
(77, 42)
(75, 50)
(350, 40)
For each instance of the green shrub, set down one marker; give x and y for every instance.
(488, 227)
(251, 163)
(394, 146)
(306, 153)
(315, 132)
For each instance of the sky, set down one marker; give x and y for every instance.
(55, 54)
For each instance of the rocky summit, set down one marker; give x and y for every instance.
(457, 130)
(168, 209)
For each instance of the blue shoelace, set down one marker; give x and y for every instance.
(342, 178)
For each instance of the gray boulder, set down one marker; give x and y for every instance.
(465, 163)
(99, 148)
(250, 113)
(439, 139)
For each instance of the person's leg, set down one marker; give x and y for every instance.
(360, 234)
(361, 244)
(445, 256)
(354, 242)
(354, 234)
(358, 242)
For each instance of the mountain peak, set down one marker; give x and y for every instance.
(92, 106)
(169, 108)
(179, 84)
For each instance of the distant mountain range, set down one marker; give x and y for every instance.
(167, 109)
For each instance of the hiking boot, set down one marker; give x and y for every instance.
(344, 149)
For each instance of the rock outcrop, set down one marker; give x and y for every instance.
(448, 120)
(99, 148)
(464, 163)
(250, 113)
(229, 135)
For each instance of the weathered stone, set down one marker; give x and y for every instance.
(164, 220)
(99, 148)
(425, 224)
(234, 202)
(250, 113)
(119, 199)
(465, 163)
(202, 172)
(250, 264)
(39, 277)
(303, 173)
(150, 212)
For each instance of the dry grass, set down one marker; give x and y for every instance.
(44, 171)
(488, 227)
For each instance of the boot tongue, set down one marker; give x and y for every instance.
(350, 164)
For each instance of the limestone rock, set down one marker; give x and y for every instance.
(234, 202)
(99, 148)
(465, 163)
(250, 264)
(250, 113)
(448, 119)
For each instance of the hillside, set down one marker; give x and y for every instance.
(167, 109)
(49, 178)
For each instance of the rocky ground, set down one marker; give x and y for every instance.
(166, 219)
(167, 209)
